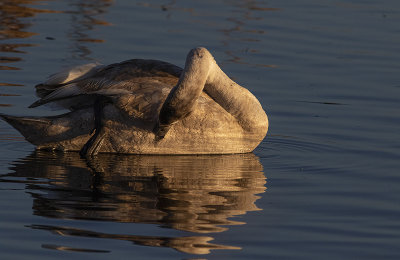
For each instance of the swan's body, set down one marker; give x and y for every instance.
(151, 107)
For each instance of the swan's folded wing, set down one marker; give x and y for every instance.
(94, 79)
(63, 92)
(74, 73)
(62, 84)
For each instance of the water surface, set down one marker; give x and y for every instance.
(324, 184)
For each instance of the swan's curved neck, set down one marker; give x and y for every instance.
(201, 72)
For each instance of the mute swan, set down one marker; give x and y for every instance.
(146, 107)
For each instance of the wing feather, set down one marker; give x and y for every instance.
(67, 75)
(63, 92)
(80, 84)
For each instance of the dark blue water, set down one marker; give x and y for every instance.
(324, 184)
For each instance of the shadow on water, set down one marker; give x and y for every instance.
(197, 194)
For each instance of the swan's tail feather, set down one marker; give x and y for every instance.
(30, 127)
(55, 131)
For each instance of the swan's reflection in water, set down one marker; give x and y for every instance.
(198, 194)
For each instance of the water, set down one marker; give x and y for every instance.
(324, 184)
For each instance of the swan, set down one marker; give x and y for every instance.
(146, 107)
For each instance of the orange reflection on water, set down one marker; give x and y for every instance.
(16, 20)
(11, 12)
(83, 19)
(14, 25)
